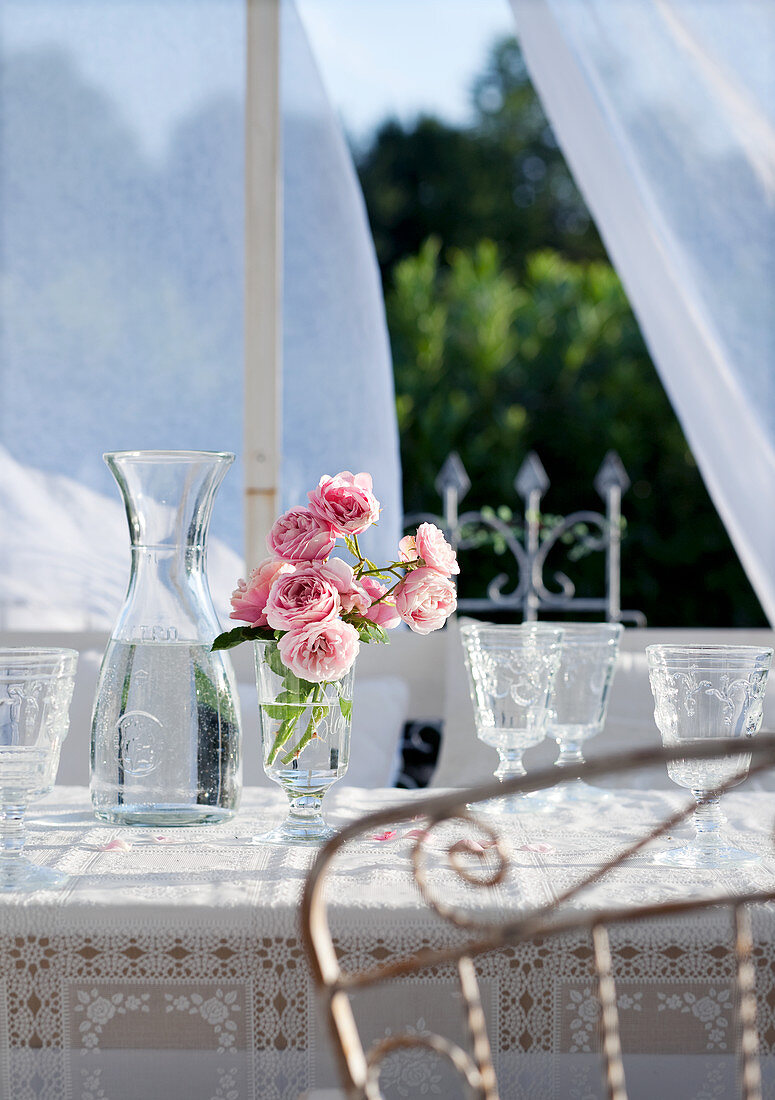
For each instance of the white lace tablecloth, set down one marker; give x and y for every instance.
(173, 968)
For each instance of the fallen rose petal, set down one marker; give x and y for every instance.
(416, 834)
(467, 845)
(538, 846)
(389, 834)
(116, 845)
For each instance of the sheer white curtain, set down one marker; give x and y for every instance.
(339, 403)
(665, 111)
(121, 161)
(121, 299)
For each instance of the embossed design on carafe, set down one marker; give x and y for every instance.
(136, 739)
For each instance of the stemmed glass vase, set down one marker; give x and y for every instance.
(581, 698)
(36, 686)
(702, 692)
(512, 671)
(305, 741)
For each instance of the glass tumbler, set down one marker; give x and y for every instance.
(581, 699)
(702, 692)
(512, 672)
(36, 686)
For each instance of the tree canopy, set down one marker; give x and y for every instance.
(511, 332)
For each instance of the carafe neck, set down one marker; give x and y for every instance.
(168, 495)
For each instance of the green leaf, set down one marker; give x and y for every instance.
(240, 634)
(370, 632)
(274, 660)
(287, 705)
(297, 686)
(346, 707)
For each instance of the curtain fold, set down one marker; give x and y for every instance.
(338, 397)
(121, 289)
(665, 111)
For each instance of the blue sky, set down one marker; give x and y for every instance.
(402, 56)
(157, 57)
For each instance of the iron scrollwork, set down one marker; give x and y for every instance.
(359, 1070)
(591, 531)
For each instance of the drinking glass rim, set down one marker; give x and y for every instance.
(169, 456)
(543, 643)
(34, 658)
(581, 633)
(518, 630)
(31, 651)
(715, 653)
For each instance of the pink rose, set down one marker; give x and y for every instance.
(384, 614)
(249, 597)
(320, 652)
(434, 549)
(407, 549)
(425, 599)
(346, 502)
(305, 596)
(351, 593)
(301, 536)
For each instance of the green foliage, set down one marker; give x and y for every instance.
(503, 178)
(492, 367)
(511, 332)
(371, 632)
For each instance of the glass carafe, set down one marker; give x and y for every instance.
(165, 744)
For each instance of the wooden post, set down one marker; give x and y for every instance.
(263, 276)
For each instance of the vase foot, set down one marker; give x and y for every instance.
(24, 876)
(511, 804)
(692, 855)
(306, 835)
(576, 790)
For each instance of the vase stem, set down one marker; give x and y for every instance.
(570, 755)
(12, 833)
(708, 820)
(510, 765)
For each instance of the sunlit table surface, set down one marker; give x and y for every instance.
(171, 965)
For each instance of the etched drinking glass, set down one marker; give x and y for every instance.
(581, 699)
(305, 740)
(36, 686)
(702, 692)
(512, 671)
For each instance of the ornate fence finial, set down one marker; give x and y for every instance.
(611, 482)
(530, 547)
(532, 477)
(611, 475)
(453, 475)
(452, 484)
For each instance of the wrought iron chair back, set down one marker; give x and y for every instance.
(359, 1068)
